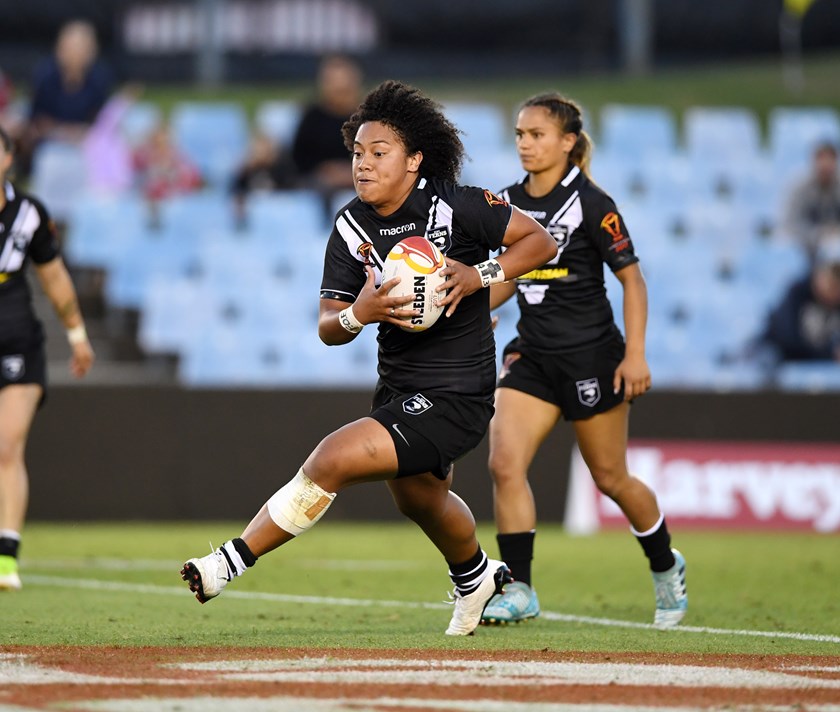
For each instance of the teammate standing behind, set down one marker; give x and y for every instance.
(26, 233)
(434, 398)
(570, 360)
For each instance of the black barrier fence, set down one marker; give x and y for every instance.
(158, 453)
(274, 40)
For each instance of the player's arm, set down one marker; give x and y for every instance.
(501, 292)
(339, 322)
(57, 285)
(633, 370)
(528, 245)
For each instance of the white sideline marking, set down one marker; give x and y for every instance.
(310, 704)
(96, 584)
(102, 563)
(496, 673)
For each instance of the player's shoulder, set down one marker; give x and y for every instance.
(593, 194)
(15, 195)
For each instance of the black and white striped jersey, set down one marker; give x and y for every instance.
(563, 304)
(467, 224)
(26, 232)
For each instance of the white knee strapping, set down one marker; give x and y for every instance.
(300, 503)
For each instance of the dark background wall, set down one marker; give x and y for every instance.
(167, 453)
(457, 39)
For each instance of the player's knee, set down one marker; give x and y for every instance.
(10, 452)
(299, 504)
(610, 479)
(504, 471)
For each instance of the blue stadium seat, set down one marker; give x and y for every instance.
(168, 312)
(101, 227)
(197, 216)
(152, 256)
(214, 135)
(59, 177)
(141, 119)
(286, 215)
(494, 170)
(793, 132)
(811, 376)
(485, 128)
(721, 135)
(637, 132)
(278, 120)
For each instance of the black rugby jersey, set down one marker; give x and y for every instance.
(26, 232)
(467, 224)
(563, 304)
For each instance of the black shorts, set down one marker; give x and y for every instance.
(580, 383)
(431, 429)
(24, 367)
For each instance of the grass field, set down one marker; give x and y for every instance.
(118, 584)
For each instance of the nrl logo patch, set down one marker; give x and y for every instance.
(12, 367)
(417, 404)
(589, 391)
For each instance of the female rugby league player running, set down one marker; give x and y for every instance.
(570, 359)
(26, 234)
(434, 397)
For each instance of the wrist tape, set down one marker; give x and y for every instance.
(348, 320)
(491, 272)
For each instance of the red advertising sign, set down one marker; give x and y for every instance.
(717, 485)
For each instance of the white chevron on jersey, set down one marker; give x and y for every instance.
(20, 235)
(353, 236)
(571, 214)
(440, 215)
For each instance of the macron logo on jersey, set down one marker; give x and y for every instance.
(397, 230)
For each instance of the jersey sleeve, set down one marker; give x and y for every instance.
(483, 215)
(44, 246)
(609, 233)
(344, 273)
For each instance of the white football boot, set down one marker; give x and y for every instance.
(208, 575)
(469, 608)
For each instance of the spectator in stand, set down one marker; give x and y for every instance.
(813, 206)
(805, 325)
(318, 148)
(68, 91)
(161, 170)
(267, 167)
(11, 120)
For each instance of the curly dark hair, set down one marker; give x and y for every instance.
(419, 122)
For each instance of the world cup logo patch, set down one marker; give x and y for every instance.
(589, 391)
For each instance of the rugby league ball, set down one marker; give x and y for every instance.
(417, 262)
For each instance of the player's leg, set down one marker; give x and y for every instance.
(18, 404)
(358, 452)
(602, 440)
(520, 425)
(448, 522)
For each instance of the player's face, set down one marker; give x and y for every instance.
(540, 140)
(383, 173)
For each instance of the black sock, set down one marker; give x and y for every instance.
(469, 574)
(517, 551)
(9, 546)
(242, 549)
(657, 547)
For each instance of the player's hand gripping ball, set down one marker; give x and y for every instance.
(417, 262)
